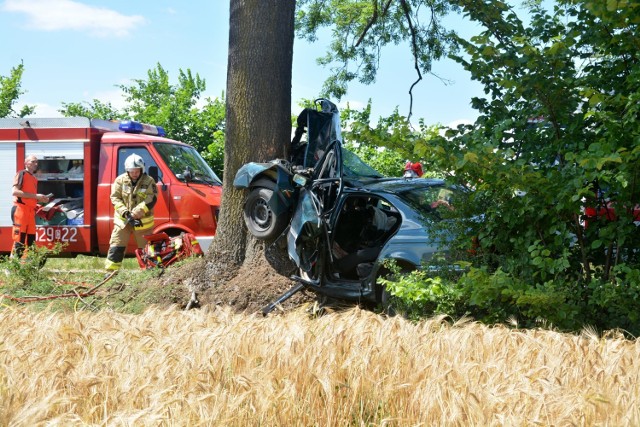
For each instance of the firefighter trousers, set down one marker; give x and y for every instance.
(118, 244)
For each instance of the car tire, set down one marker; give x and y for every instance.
(261, 221)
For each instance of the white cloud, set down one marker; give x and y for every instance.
(56, 15)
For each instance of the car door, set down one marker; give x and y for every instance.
(322, 126)
(310, 226)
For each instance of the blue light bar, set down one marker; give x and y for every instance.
(130, 126)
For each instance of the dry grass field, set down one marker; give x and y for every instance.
(348, 368)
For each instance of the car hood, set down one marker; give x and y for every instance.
(246, 174)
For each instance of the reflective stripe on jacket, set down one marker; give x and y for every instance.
(127, 197)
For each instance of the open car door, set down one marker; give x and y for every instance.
(310, 228)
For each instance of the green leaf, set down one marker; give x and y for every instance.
(471, 157)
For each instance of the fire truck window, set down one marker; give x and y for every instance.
(125, 152)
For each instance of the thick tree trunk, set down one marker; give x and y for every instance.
(258, 112)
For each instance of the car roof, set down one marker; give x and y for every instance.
(396, 185)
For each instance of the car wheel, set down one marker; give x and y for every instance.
(262, 223)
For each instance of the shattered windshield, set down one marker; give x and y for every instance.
(354, 167)
(186, 163)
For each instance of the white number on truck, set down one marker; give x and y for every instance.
(57, 234)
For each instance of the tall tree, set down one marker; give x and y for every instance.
(258, 126)
(10, 92)
(175, 106)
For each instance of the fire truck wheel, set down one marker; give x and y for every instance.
(262, 223)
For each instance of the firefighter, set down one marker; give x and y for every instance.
(23, 213)
(133, 194)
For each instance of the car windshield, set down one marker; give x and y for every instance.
(184, 158)
(354, 167)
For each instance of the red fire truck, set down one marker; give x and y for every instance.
(78, 160)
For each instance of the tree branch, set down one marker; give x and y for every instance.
(373, 20)
(414, 50)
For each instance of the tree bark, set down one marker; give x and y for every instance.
(258, 115)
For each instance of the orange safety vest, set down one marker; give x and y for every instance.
(25, 181)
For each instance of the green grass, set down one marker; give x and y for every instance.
(79, 283)
(86, 262)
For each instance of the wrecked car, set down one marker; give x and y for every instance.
(341, 218)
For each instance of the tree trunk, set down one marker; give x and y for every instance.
(258, 117)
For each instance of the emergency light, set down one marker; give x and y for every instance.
(130, 126)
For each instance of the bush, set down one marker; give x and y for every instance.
(501, 297)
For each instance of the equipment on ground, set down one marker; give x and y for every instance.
(161, 250)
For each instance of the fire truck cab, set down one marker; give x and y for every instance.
(79, 158)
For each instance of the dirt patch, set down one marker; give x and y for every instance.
(247, 289)
(251, 289)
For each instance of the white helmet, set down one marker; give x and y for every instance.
(134, 162)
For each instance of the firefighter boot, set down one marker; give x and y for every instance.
(114, 258)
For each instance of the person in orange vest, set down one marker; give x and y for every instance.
(25, 201)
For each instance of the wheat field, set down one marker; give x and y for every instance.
(348, 368)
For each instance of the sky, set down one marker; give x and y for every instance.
(80, 50)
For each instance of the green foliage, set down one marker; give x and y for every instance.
(178, 108)
(387, 146)
(10, 92)
(25, 276)
(614, 304)
(421, 292)
(175, 107)
(361, 29)
(385, 161)
(215, 152)
(557, 131)
(500, 297)
(96, 109)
